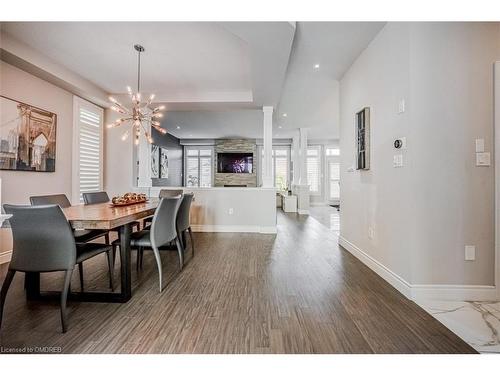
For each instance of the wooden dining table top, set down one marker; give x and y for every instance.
(105, 216)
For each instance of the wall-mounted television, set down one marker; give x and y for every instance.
(234, 162)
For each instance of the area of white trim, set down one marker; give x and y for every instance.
(422, 291)
(234, 228)
(496, 132)
(303, 212)
(453, 292)
(392, 278)
(5, 257)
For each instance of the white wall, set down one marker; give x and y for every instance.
(253, 209)
(378, 198)
(119, 157)
(425, 213)
(452, 97)
(17, 186)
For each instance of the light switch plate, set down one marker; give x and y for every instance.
(401, 106)
(397, 161)
(480, 145)
(483, 159)
(470, 252)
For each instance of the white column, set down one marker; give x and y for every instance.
(144, 160)
(303, 156)
(301, 188)
(296, 159)
(267, 171)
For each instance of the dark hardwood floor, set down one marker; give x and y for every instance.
(294, 292)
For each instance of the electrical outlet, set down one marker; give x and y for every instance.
(231, 211)
(470, 252)
(371, 233)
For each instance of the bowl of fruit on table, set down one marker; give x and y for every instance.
(127, 199)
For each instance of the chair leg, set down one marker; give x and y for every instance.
(111, 269)
(141, 261)
(158, 264)
(5, 289)
(106, 238)
(80, 271)
(64, 298)
(179, 237)
(138, 262)
(180, 251)
(114, 255)
(191, 239)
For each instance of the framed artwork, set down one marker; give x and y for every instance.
(27, 137)
(159, 162)
(163, 163)
(155, 161)
(363, 139)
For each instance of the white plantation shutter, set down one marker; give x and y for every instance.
(334, 174)
(87, 148)
(205, 171)
(192, 171)
(281, 168)
(313, 170)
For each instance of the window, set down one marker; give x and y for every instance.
(87, 148)
(281, 166)
(199, 164)
(314, 169)
(332, 151)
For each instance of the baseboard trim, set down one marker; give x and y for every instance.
(454, 292)
(392, 278)
(234, 228)
(303, 212)
(417, 292)
(5, 257)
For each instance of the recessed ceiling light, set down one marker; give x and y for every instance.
(316, 66)
(284, 115)
(190, 135)
(280, 127)
(178, 127)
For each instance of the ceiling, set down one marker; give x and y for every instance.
(310, 96)
(213, 77)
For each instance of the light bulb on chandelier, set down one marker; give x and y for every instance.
(141, 113)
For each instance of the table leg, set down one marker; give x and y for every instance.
(125, 264)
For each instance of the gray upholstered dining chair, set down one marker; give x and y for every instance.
(63, 202)
(183, 222)
(182, 226)
(164, 193)
(43, 242)
(162, 232)
(80, 235)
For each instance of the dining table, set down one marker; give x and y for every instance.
(104, 216)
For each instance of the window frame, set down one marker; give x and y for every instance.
(79, 103)
(199, 157)
(320, 170)
(288, 150)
